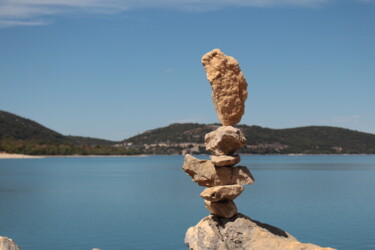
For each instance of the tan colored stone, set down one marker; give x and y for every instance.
(225, 160)
(206, 174)
(226, 209)
(229, 86)
(225, 140)
(8, 244)
(234, 175)
(240, 232)
(202, 172)
(220, 193)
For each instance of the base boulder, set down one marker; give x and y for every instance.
(240, 232)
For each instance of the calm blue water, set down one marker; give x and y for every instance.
(149, 202)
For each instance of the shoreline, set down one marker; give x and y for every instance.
(22, 156)
(19, 156)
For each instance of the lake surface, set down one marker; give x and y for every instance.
(149, 202)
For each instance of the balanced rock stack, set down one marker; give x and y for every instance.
(223, 179)
(225, 228)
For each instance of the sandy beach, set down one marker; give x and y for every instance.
(18, 156)
(21, 156)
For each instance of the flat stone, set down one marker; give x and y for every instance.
(226, 209)
(225, 160)
(8, 244)
(222, 193)
(202, 172)
(234, 175)
(225, 140)
(241, 232)
(206, 174)
(229, 86)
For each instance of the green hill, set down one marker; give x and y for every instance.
(19, 128)
(24, 136)
(189, 137)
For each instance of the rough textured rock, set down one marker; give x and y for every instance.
(206, 174)
(202, 172)
(225, 140)
(226, 209)
(240, 232)
(225, 160)
(222, 193)
(229, 86)
(8, 244)
(233, 175)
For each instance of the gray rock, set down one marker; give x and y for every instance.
(241, 232)
(225, 160)
(206, 174)
(8, 244)
(222, 193)
(226, 209)
(225, 140)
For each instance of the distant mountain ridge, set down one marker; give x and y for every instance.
(21, 135)
(189, 138)
(17, 127)
(24, 136)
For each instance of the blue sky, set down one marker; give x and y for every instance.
(115, 68)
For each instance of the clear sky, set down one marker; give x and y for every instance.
(114, 68)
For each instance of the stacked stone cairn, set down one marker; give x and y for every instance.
(224, 180)
(225, 228)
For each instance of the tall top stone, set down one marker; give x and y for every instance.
(229, 86)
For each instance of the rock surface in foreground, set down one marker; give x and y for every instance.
(240, 232)
(229, 86)
(8, 244)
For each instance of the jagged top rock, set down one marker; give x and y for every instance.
(229, 86)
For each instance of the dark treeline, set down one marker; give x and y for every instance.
(14, 146)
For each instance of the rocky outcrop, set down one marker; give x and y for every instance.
(229, 86)
(241, 232)
(225, 140)
(8, 244)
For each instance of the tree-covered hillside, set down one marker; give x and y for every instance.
(24, 136)
(189, 137)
